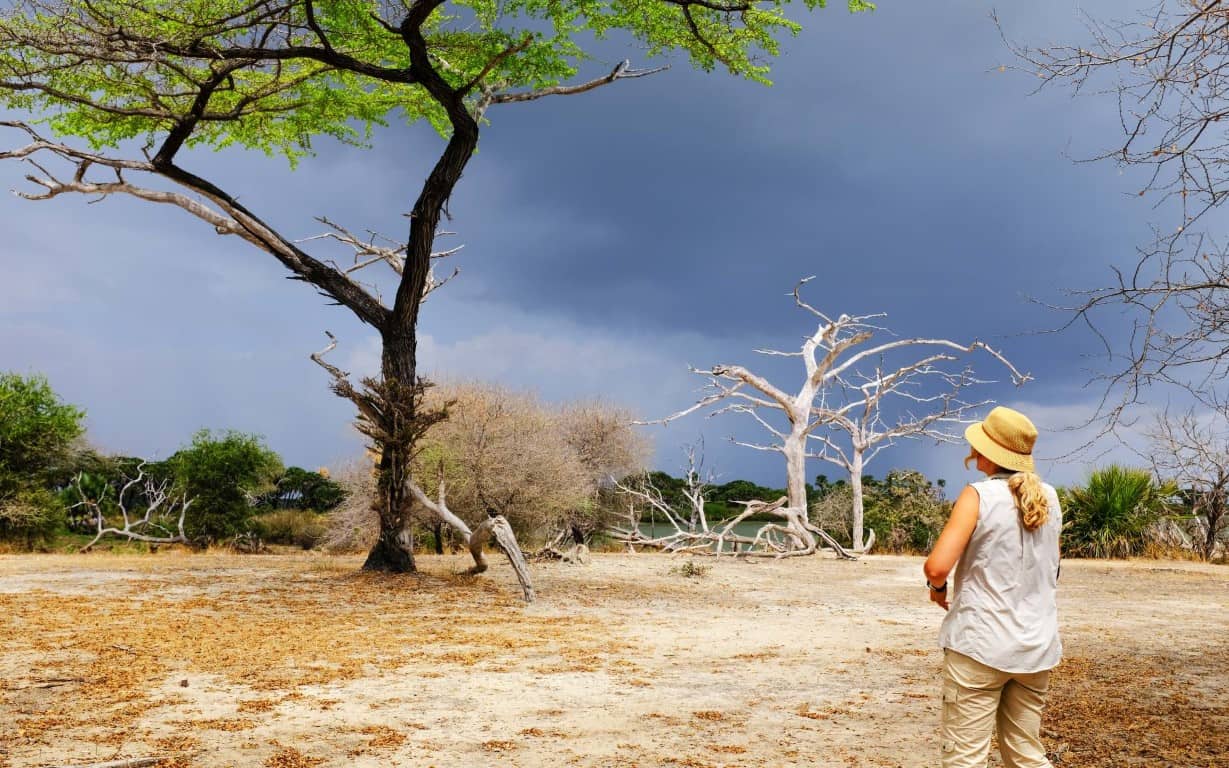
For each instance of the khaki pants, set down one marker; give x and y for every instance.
(976, 698)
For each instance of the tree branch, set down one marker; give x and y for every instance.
(622, 71)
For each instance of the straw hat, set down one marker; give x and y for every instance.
(1005, 437)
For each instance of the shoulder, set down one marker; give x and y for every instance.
(1051, 495)
(1050, 492)
(979, 486)
(968, 502)
(990, 488)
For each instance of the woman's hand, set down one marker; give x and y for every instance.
(939, 598)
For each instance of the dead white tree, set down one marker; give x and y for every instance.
(372, 420)
(846, 384)
(496, 526)
(689, 530)
(924, 400)
(1192, 449)
(795, 535)
(162, 505)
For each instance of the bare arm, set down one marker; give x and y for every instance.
(954, 538)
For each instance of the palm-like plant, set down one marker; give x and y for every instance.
(1111, 514)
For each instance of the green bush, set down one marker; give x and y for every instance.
(299, 488)
(291, 527)
(1110, 515)
(37, 429)
(222, 474)
(37, 434)
(905, 510)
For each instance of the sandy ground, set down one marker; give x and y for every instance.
(297, 660)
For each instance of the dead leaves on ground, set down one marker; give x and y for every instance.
(1120, 709)
(118, 653)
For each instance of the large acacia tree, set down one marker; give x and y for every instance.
(137, 81)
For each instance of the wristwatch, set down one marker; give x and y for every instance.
(933, 588)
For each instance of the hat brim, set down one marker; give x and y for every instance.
(986, 446)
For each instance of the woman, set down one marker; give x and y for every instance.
(1000, 634)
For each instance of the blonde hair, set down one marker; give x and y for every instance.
(1030, 499)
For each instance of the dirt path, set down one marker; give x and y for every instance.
(291, 661)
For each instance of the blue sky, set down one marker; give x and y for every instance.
(614, 238)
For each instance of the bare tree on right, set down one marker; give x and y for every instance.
(1166, 69)
(1192, 449)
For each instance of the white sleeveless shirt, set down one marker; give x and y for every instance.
(1003, 611)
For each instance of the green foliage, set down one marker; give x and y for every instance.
(721, 501)
(37, 429)
(299, 488)
(86, 487)
(291, 527)
(905, 509)
(116, 70)
(37, 432)
(81, 458)
(221, 474)
(1110, 515)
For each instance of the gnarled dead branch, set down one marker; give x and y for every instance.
(162, 505)
(690, 530)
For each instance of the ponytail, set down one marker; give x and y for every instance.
(1030, 500)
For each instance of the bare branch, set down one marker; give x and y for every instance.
(161, 505)
(622, 71)
(1168, 70)
(692, 534)
(229, 217)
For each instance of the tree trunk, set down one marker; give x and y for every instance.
(855, 485)
(437, 530)
(393, 552)
(796, 466)
(394, 549)
(1214, 513)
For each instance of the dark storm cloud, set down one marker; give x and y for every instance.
(612, 238)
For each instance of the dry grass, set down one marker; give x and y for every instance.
(297, 661)
(1147, 713)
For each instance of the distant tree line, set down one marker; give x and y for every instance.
(904, 508)
(548, 469)
(48, 473)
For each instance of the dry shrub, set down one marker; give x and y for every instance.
(541, 466)
(353, 526)
(834, 513)
(609, 448)
(505, 452)
(29, 518)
